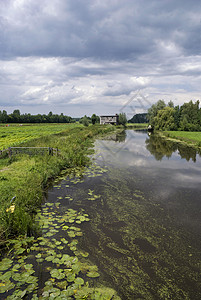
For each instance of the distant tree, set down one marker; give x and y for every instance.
(85, 121)
(171, 104)
(95, 119)
(139, 118)
(122, 119)
(3, 117)
(15, 116)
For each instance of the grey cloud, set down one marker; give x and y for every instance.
(106, 51)
(119, 30)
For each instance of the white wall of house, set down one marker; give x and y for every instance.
(108, 119)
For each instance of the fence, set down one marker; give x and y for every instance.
(30, 151)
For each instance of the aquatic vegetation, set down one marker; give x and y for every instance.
(93, 196)
(67, 266)
(135, 242)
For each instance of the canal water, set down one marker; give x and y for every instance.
(129, 223)
(144, 207)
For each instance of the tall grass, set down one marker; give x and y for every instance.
(25, 177)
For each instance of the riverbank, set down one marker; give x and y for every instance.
(24, 177)
(136, 126)
(192, 139)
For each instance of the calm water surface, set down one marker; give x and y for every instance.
(144, 233)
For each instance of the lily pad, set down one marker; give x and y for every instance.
(79, 281)
(4, 287)
(93, 274)
(5, 264)
(57, 273)
(71, 277)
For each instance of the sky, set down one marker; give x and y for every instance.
(82, 57)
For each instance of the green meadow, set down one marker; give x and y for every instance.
(192, 138)
(14, 135)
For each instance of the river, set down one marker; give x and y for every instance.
(144, 233)
(130, 222)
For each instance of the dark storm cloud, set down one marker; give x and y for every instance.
(116, 29)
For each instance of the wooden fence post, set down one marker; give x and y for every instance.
(50, 151)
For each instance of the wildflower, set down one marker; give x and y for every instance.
(11, 208)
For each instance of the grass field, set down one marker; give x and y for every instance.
(137, 125)
(16, 134)
(24, 177)
(193, 138)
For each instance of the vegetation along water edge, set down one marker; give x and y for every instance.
(23, 177)
(192, 139)
(37, 260)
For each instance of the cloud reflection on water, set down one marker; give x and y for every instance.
(153, 157)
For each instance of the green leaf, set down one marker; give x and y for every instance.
(60, 247)
(79, 281)
(4, 287)
(93, 274)
(5, 264)
(28, 266)
(70, 277)
(49, 258)
(57, 273)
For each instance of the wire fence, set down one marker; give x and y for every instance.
(30, 151)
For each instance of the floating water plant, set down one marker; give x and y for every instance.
(17, 273)
(92, 195)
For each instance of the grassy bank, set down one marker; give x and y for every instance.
(191, 138)
(23, 177)
(136, 125)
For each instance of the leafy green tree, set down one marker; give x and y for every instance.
(190, 116)
(153, 110)
(164, 120)
(122, 119)
(177, 114)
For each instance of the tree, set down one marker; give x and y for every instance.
(85, 121)
(153, 110)
(139, 118)
(171, 104)
(122, 119)
(3, 117)
(164, 120)
(190, 116)
(15, 116)
(177, 114)
(95, 119)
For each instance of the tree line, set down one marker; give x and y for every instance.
(186, 117)
(17, 117)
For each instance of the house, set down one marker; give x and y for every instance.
(114, 120)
